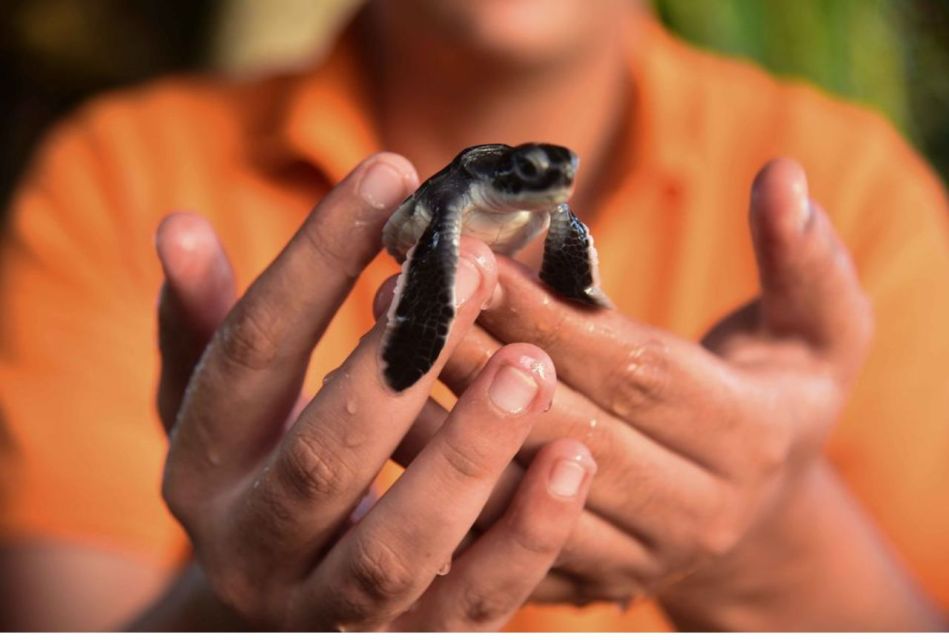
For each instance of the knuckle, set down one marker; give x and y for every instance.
(480, 607)
(640, 379)
(377, 576)
(465, 459)
(248, 339)
(720, 532)
(310, 469)
(328, 249)
(717, 540)
(533, 535)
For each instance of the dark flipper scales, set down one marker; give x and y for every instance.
(570, 262)
(424, 306)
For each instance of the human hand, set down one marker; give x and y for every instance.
(266, 495)
(697, 445)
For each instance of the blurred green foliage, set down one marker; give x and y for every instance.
(891, 55)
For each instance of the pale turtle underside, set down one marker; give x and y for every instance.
(504, 196)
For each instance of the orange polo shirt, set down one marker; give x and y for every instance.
(83, 448)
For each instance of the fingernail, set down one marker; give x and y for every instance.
(382, 186)
(467, 281)
(512, 390)
(566, 478)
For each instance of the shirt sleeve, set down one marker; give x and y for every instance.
(82, 445)
(893, 443)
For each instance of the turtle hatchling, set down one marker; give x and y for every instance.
(503, 196)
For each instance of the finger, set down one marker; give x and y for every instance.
(252, 370)
(635, 391)
(664, 420)
(809, 287)
(196, 296)
(385, 563)
(344, 436)
(644, 500)
(490, 581)
(661, 385)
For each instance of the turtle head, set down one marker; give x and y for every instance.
(527, 176)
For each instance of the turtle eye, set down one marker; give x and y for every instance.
(526, 169)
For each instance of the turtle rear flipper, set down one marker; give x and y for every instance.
(570, 265)
(423, 308)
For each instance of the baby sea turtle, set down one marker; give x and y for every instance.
(502, 195)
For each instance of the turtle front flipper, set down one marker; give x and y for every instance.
(570, 264)
(423, 308)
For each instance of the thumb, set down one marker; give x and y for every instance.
(809, 287)
(197, 294)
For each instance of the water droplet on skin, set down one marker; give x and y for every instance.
(545, 301)
(351, 407)
(591, 429)
(445, 568)
(329, 376)
(591, 327)
(354, 438)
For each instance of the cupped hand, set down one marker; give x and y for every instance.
(696, 443)
(265, 485)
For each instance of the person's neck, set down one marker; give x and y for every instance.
(433, 102)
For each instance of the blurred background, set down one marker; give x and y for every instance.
(890, 55)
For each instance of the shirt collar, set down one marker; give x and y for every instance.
(327, 119)
(665, 112)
